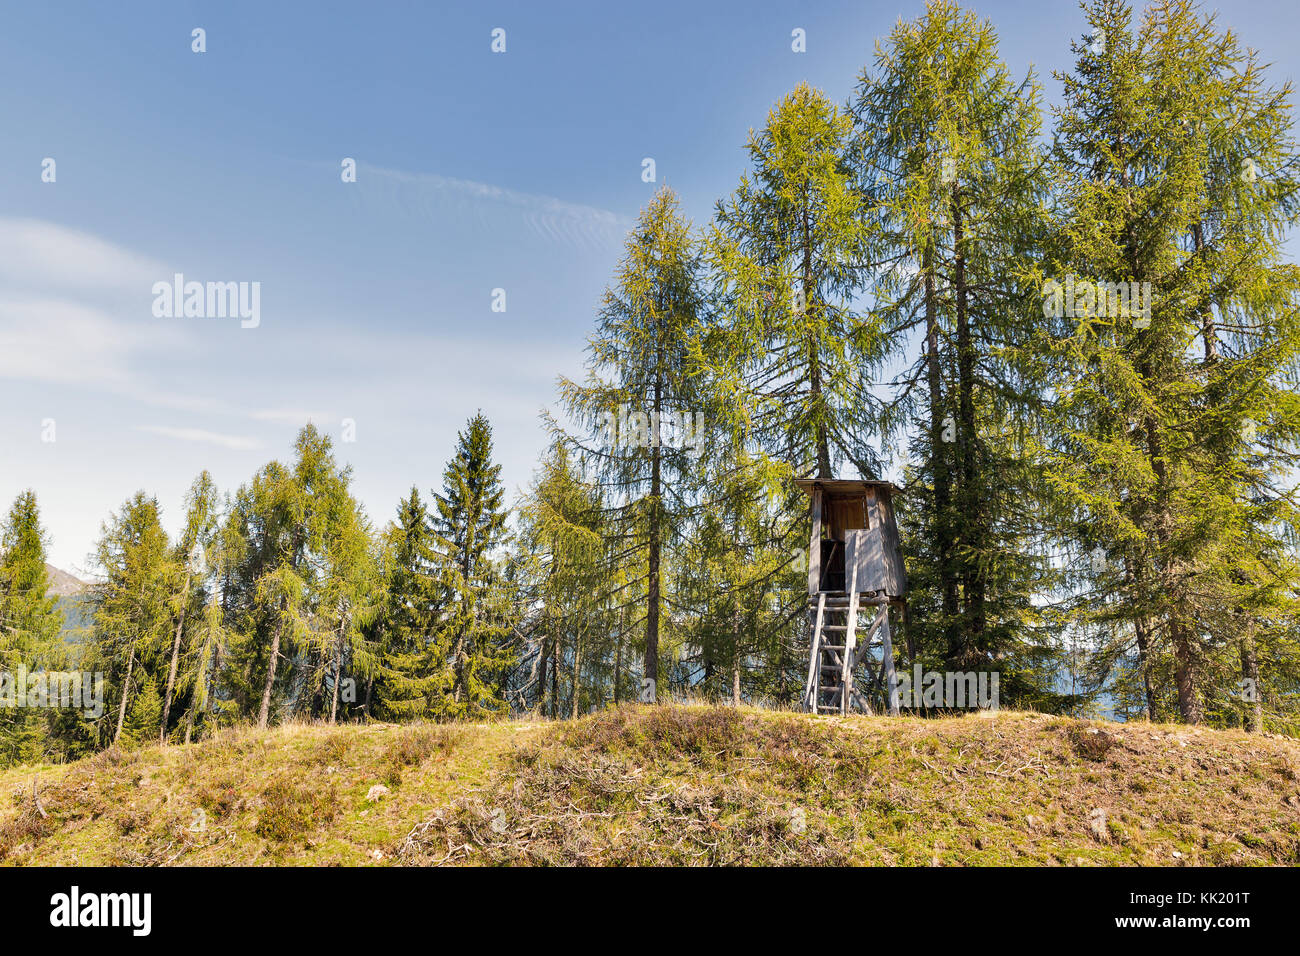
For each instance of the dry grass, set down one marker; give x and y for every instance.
(673, 785)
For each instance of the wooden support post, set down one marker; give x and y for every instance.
(815, 544)
(814, 658)
(891, 684)
(850, 639)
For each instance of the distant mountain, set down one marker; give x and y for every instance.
(64, 584)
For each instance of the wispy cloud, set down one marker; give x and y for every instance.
(39, 254)
(547, 217)
(233, 442)
(290, 416)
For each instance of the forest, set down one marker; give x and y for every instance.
(1069, 334)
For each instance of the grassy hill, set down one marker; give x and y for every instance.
(672, 785)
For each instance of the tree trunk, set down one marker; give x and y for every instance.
(555, 680)
(971, 535)
(176, 653)
(1141, 629)
(735, 662)
(577, 673)
(265, 711)
(338, 670)
(618, 660)
(126, 690)
(1253, 719)
(651, 663)
(1189, 700)
(815, 400)
(939, 463)
(543, 660)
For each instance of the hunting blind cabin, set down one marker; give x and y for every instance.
(854, 564)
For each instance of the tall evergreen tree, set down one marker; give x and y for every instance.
(30, 620)
(470, 525)
(1177, 425)
(947, 149)
(788, 251)
(415, 674)
(640, 402)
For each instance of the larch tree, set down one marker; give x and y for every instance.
(787, 253)
(202, 503)
(1176, 418)
(946, 148)
(639, 405)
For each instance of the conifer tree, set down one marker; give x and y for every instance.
(567, 587)
(470, 525)
(787, 251)
(201, 504)
(1177, 429)
(30, 620)
(946, 148)
(134, 602)
(414, 676)
(640, 405)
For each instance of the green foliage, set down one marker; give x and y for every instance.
(469, 528)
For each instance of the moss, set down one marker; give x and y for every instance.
(670, 785)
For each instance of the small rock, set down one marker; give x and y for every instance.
(1097, 820)
(377, 792)
(1177, 855)
(377, 855)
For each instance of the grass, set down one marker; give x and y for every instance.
(673, 785)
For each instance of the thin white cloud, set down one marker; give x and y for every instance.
(549, 218)
(233, 442)
(290, 416)
(38, 254)
(55, 340)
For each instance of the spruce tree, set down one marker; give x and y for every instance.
(414, 675)
(30, 621)
(470, 525)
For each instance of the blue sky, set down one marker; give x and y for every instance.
(476, 171)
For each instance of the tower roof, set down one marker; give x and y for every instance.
(843, 486)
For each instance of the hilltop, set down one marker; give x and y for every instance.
(63, 584)
(672, 785)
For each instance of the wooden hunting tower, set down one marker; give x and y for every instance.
(854, 560)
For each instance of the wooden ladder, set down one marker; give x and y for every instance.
(831, 687)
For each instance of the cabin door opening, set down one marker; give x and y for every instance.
(842, 516)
